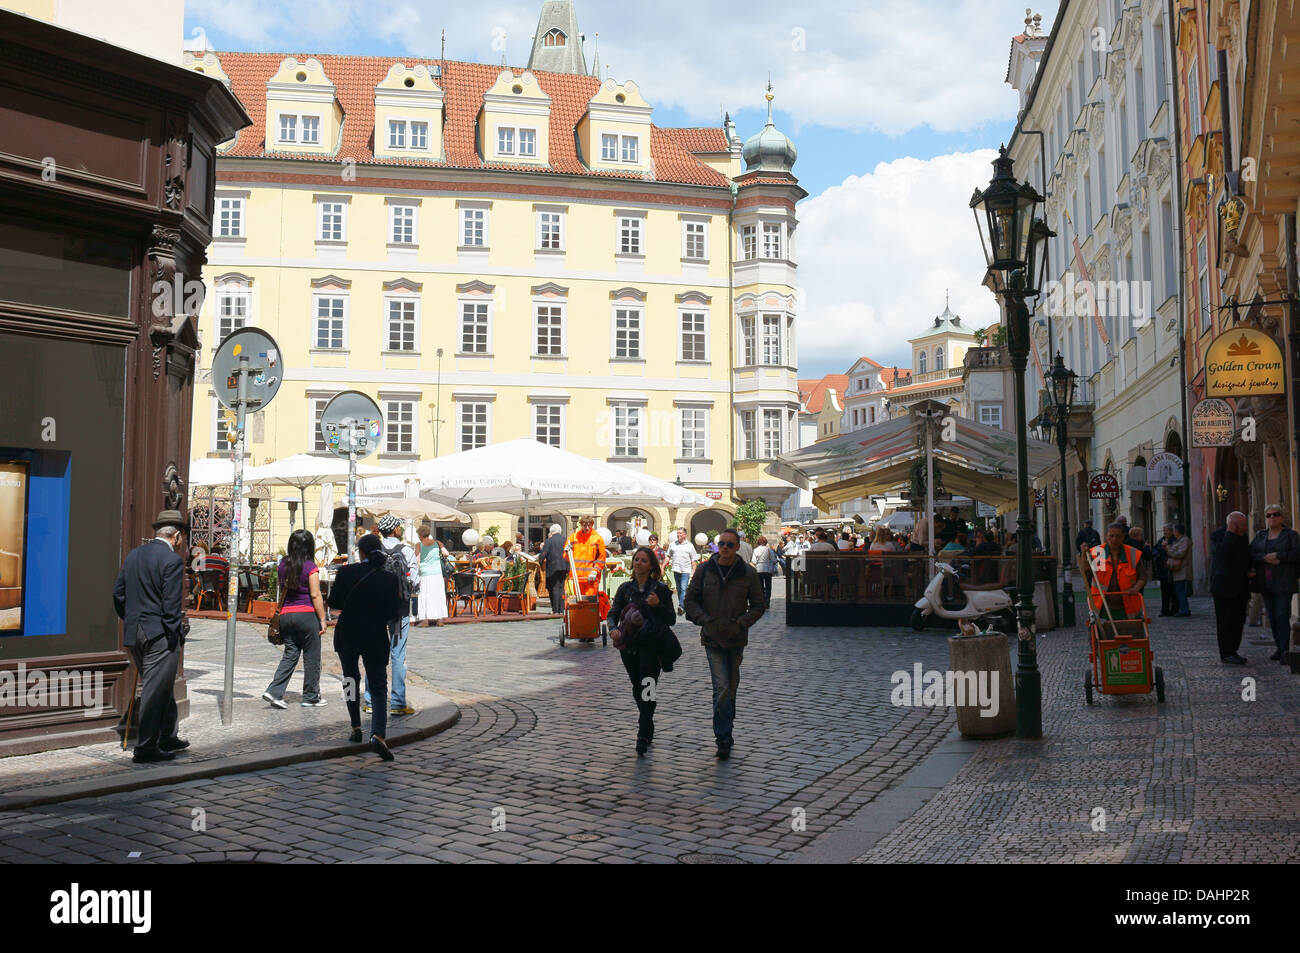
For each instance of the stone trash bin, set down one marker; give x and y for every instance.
(983, 655)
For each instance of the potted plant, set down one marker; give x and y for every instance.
(264, 608)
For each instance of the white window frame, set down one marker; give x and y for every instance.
(564, 327)
(414, 302)
(315, 123)
(608, 147)
(699, 443)
(397, 134)
(939, 358)
(240, 293)
(558, 224)
(315, 409)
(634, 430)
(748, 434)
(748, 340)
(230, 209)
(393, 212)
(634, 152)
(1194, 98)
(1203, 283)
(393, 425)
(770, 228)
(634, 315)
(922, 362)
(506, 136)
(316, 318)
(530, 153)
(749, 242)
(629, 230)
(556, 406)
(988, 417)
(473, 212)
(689, 226)
(422, 128)
(765, 342)
(476, 303)
(770, 451)
(461, 407)
(702, 331)
(287, 122)
(342, 206)
(218, 418)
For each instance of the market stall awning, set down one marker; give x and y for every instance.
(978, 461)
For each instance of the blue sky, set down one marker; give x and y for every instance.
(892, 104)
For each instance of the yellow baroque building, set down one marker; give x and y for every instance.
(494, 253)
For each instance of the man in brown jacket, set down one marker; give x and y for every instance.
(1178, 557)
(724, 599)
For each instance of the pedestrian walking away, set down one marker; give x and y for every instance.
(681, 557)
(1160, 570)
(1178, 557)
(431, 600)
(1275, 554)
(367, 597)
(765, 564)
(302, 620)
(148, 597)
(401, 562)
(1230, 572)
(643, 608)
(555, 566)
(724, 599)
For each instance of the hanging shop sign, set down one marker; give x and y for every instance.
(1165, 469)
(1212, 423)
(1103, 486)
(1137, 479)
(1244, 362)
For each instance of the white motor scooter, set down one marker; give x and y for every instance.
(979, 603)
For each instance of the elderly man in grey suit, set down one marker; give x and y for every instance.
(149, 598)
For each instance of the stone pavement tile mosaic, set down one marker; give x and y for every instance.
(256, 725)
(1207, 777)
(544, 749)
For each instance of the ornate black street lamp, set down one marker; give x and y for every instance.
(1013, 245)
(1061, 382)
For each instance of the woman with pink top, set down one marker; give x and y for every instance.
(302, 620)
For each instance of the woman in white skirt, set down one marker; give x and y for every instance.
(432, 598)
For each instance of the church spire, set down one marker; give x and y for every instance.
(557, 44)
(595, 56)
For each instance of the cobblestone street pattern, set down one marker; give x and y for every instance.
(1205, 778)
(545, 741)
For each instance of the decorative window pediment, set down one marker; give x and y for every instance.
(626, 294)
(331, 281)
(550, 289)
(475, 287)
(403, 285)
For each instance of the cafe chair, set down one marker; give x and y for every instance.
(492, 588)
(470, 590)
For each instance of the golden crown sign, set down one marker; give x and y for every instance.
(1244, 362)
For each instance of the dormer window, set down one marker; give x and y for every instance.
(419, 135)
(397, 135)
(609, 148)
(631, 149)
(311, 130)
(528, 142)
(288, 128)
(505, 141)
(555, 38)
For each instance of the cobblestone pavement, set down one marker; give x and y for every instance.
(1205, 778)
(545, 745)
(256, 725)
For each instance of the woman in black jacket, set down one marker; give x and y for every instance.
(1275, 552)
(367, 596)
(642, 646)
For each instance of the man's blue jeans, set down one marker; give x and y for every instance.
(398, 630)
(683, 579)
(724, 669)
(1180, 590)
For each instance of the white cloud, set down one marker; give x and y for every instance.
(887, 65)
(877, 252)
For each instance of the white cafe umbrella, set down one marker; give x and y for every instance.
(305, 469)
(410, 508)
(211, 471)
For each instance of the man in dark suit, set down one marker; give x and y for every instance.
(149, 597)
(1230, 585)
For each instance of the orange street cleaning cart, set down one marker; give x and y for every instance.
(1120, 659)
(586, 603)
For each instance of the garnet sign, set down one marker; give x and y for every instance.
(1103, 486)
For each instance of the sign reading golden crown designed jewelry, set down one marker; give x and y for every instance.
(1243, 362)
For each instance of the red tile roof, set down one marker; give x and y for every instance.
(698, 139)
(463, 85)
(816, 390)
(889, 376)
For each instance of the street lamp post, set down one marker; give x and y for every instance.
(1013, 243)
(1061, 382)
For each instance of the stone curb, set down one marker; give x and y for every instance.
(440, 715)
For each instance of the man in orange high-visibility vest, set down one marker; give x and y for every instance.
(587, 550)
(1119, 571)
